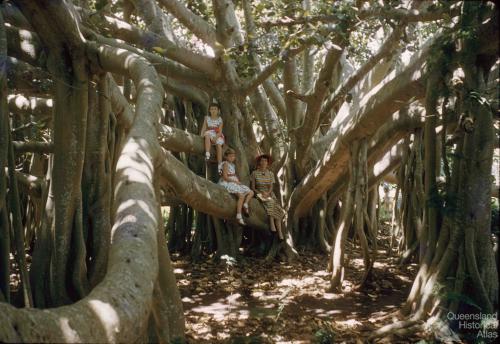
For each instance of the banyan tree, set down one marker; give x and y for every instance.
(102, 104)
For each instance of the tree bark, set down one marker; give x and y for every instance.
(394, 91)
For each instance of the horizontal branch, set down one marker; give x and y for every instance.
(33, 106)
(410, 15)
(184, 91)
(26, 46)
(205, 196)
(399, 14)
(30, 184)
(177, 140)
(33, 147)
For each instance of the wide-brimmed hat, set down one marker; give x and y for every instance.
(263, 156)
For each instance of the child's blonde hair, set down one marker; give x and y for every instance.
(229, 151)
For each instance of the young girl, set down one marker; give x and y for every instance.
(230, 181)
(212, 131)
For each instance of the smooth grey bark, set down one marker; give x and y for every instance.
(117, 309)
(395, 90)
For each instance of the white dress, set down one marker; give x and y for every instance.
(230, 186)
(212, 128)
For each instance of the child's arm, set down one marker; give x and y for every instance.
(225, 177)
(204, 126)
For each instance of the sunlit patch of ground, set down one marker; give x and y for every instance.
(255, 302)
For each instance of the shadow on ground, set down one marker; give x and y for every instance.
(255, 302)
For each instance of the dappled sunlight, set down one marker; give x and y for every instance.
(20, 101)
(135, 203)
(286, 300)
(26, 42)
(108, 316)
(69, 334)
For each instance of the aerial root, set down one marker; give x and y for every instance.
(399, 328)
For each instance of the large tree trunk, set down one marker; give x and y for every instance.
(117, 309)
(456, 275)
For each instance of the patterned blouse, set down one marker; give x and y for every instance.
(263, 180)
(213, 124)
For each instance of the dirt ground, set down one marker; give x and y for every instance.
(250, 301)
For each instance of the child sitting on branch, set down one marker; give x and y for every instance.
(230, 181)
(212, 132)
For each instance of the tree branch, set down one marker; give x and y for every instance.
(228, 27)
(152, 41)
(339, 95)
(205, 196)
(194, 23)
(164, 67)
(394, 91)
(28, 79)
(314, 101)
(400, 14)
(177, 140)
(263, 77)
(125, 294)
(32, 185)
(34, 106)
(33, 147)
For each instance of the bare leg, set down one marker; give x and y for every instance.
(278, 225)
(207, 144)
(248, 197)
(271, 224)
(219, 153)
(239, 205)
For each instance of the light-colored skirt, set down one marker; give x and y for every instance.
(213, 137)
(234, 188)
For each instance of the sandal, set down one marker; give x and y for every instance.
(239, 219)
(246, 209)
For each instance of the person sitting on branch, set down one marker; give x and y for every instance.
(261, 182)
(212, 132)
(230, 181)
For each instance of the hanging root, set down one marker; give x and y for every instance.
(400, 328)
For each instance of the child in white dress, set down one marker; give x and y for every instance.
(230, 181)
(212, 132)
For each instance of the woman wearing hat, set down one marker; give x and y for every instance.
(261, 182)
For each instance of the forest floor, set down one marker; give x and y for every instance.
(251, 301)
